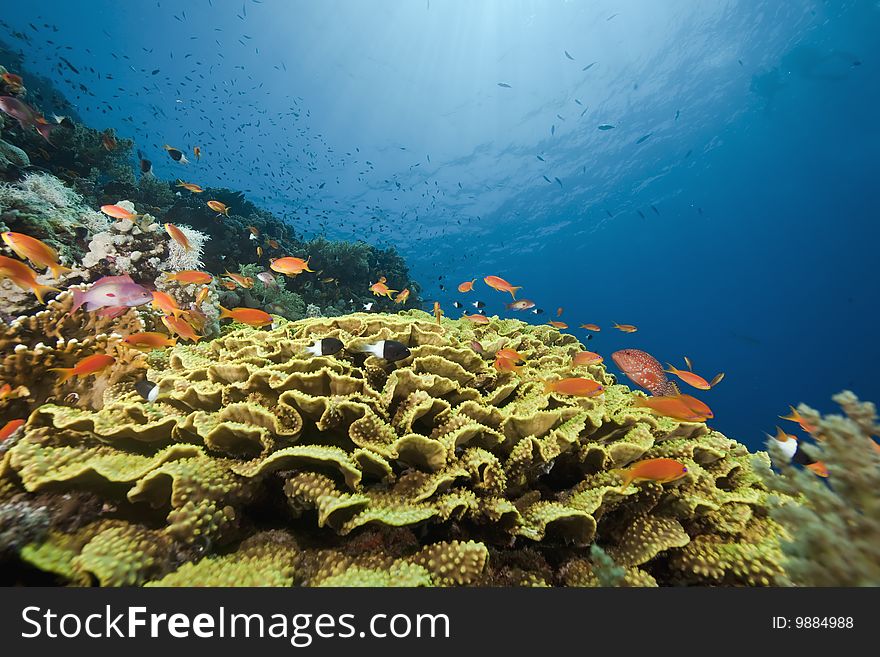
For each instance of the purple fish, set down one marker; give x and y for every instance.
(26, 116)
(113, 294)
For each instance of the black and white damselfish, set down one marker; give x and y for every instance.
(147, 389)
(390, 350)
(325, 347)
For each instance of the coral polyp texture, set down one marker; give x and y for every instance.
(261, 464)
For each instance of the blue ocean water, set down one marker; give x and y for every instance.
(730, 212)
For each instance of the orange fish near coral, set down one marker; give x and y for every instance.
(583, 358)
(380, 289)
(795, 416)
(467, 286)
(661, 471)
(591, 327)
(678, 407)
(291, 266)
(250, 316)
(476, 318)
(10, 428)
(498, 283)
(576, 387)
(195, 189)
(693, 379)
(190, 277)
(438, 312)
(179, 327)
(39, 253)
(88, 366)
(149, 340)
(510, 354)
(219, 207)
(118, 212)
(626, 328)
(178, 236)
(558, 325)
(202, 295)
(165, 303)
(23, 276)
(403, 296)
(244, 281)
(506, 365)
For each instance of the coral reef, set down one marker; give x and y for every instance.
(833, 528)
(259, 463)
(31, 345)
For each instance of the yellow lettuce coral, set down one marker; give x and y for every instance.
(433, 470)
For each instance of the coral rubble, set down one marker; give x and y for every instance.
(259, 463)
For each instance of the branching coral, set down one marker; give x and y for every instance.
(434, 470)
(834, 532)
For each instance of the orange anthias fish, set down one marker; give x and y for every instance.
(795, 416)
(10, 428)
(118, 212)
(498, 283)
(178, 236)
(149, 340)
(438, 312)
(23, 276)
(380, 289)
(195, 189)
(693, 379)
(559, 311)
(403, 296)
(291, 266)
(90, 365)
(202, 295)
(165, 303)
(626, 328)
(467, 286)
(190, 277)
(250, 316)
(591, 327)
(576, 387)
(179, 327)
(197, 152)
(217, 206)
(39, 253)
(660, 470)
(476, 318)
(229, 285)
(5, 391)
(506, 364)
(678, 407)
(244, 281)
(583, 358)
(510, 354)
(558, 325)
(644, 370)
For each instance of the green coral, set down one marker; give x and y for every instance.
(833, 529)
(436, 470)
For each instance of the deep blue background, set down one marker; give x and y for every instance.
(384, 121)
